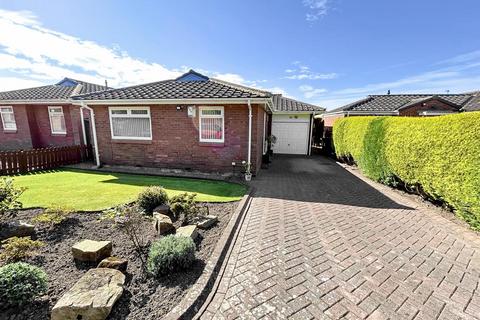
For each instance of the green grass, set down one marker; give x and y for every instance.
(91, 191)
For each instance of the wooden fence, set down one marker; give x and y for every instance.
(15, 162)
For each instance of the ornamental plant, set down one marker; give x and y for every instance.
(19, 248)
(52, 216)
(185, 204)
(21, 283)
(150, 198)
(9, 195)
(169, 254)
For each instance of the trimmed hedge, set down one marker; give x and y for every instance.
(438, 156)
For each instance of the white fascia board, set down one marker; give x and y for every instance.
(171, 101)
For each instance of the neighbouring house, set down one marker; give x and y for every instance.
(408, 105)
(292, 125)
(193, 123)
(42, 116)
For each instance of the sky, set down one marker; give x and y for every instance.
(325, 52)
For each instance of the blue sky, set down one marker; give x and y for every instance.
(328, 52)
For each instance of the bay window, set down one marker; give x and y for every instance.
(57, 120)
(212, 124)
(131, 123)
(8, 119)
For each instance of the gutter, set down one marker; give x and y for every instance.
(94, 131)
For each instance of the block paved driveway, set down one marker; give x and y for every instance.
(319, 242)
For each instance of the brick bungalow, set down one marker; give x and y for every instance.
(408, 105)
(42, 116)
(192, 122)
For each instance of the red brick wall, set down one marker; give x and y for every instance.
(175, 142)
(20, 139)
(42, 135)
(431, 105)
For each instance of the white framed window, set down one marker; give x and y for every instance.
(211, 125)
(8, 119)
(57, 120)
(130, 123)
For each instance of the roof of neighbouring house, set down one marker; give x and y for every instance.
(191, 85)
(62, 90)
(474, 103)
(283, 104)
(394, 102)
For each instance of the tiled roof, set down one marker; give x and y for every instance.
(394, 102)
(191, 85)
(60, 91)
(282, 104)
(474, 103)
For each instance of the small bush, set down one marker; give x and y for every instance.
(171, 253)
(20, 283)
(151, 197)
(186, 204)
(17, 249)
(52, 216)
(9, 195)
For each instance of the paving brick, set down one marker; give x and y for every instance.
(320, 242)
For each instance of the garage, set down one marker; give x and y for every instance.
(291, 125)
(292, 133)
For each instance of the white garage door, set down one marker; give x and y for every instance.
(292, 137)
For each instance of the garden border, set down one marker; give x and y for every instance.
(200, 294)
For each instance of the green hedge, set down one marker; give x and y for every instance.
(438, 155)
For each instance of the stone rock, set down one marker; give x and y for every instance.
(16, 229)
(163, 209)
(90, 250)
(188, 231)
(92, 297)
(162, 224)
(114, 263)
(207, 221)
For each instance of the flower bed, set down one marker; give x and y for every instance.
(144, 297)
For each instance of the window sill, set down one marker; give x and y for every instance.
(6, 131)
(128, 141)
(59, 134)
(212, 144)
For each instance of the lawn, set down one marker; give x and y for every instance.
(89, 191)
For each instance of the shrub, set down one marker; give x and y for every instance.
(185, 204)
(52, 216)
(21, 282)
(130, 222)
(17, 249)
(437, 156)
(9, 195)
(150, 198)
(169, 254)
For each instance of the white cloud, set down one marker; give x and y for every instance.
(311, 92)
(32, 55)
(313, 76)
(303, 72)
(317, 9)
(26, 46)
